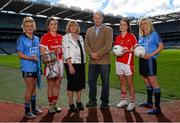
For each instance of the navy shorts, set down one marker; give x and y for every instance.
(29, 74)
(148, 67)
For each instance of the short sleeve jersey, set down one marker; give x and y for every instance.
(150, 42)
(29, 47)
(128, 41)
(53, 43)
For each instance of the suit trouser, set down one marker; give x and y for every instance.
(94, 71)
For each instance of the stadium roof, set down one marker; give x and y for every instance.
(63, 12)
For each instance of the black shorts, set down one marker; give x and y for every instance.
(29, 74)
(148, 67)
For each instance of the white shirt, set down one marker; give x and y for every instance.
(97, 28)
(71, 49)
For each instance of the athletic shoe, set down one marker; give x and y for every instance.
(51, 109)
(57, 108)
(154, 111)
(146, 104)
(122, 104)
(29, 115)
(104, 106)
(37, 111)
(131, 106)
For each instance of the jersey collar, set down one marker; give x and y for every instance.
(24, 34)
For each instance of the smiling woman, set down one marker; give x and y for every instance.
(29, 53)
(74, 61)
(51, 42)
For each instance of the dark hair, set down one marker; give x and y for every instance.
(49, 20)
(128, 24)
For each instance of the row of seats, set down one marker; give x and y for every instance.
(9, 47)
(10, 28)
(13, 21)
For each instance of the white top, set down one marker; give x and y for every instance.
(71, 49)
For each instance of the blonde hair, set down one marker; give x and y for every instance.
(150, 25)
(70, 23)
(26, 20)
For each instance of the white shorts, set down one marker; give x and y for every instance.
(57, 69)
(123, 69)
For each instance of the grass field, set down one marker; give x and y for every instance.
(168, 72)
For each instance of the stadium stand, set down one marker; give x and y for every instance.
(12, 13)
(8, 47)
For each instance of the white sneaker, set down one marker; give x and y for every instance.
(122, 104)
(30, 115)
(131, 106)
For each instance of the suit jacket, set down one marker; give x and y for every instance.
(71, 49)
(100, 44)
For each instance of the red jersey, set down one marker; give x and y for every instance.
(53, 43)
(128, 41)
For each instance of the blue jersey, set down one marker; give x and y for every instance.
(150, 42)
(29, 47)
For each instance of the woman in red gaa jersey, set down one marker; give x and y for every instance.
(51, 41)
(125, 64)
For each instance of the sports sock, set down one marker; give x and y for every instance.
(27, 107)
(157, 96)
(149, 94)
(33, 102)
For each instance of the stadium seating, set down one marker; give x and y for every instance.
(10, 27)
(168, 27)
(7, 47)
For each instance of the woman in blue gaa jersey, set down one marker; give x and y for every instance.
(151, 41)
(28, 51)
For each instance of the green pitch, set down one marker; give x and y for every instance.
(168, 72)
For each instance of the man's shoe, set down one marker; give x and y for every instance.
(57, 108)
(51, 109)
(29, 115)
(37, 111)
(131, 106)
(154, 111)
(91, 104)
(80, 106)
(104, 105)
(122, 104)
(146, 104)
